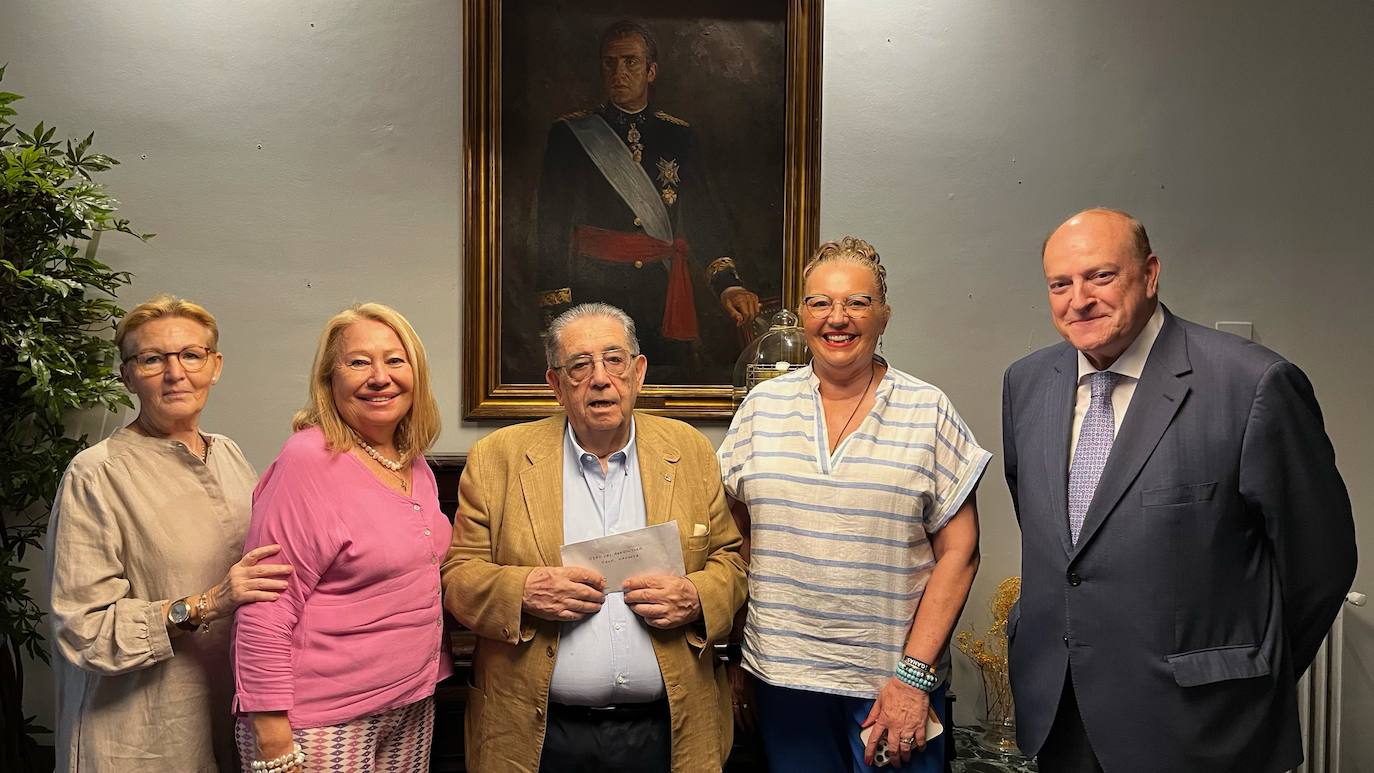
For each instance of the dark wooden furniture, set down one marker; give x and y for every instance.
(450, 697)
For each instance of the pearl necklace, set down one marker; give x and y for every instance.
(377, 455)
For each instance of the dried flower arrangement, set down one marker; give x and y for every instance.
(989, 652)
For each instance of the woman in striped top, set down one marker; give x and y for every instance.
(853, 483)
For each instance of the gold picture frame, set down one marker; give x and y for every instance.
(499, 140)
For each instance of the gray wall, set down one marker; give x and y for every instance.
(296, 157)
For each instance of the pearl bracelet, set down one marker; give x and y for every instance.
(292, 759)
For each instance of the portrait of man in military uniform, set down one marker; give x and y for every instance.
(640, 201)
(626, 214)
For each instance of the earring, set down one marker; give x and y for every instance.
(880, 344)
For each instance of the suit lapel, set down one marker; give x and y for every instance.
(1059, 400)
(657, 473)
(1157, 398)
(541, 482)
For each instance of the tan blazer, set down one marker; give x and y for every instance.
(510, 520)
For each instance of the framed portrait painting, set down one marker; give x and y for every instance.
(661, 157)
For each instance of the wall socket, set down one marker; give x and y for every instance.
(1245, 330)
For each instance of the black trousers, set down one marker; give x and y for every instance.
(631, 739)
(1066, 749)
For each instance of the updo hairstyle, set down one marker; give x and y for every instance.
(850, 249)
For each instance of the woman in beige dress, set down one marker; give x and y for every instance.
(143, 550)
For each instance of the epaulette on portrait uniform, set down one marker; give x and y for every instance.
(670, 118)
(574, 114)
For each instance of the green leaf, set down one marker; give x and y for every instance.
(57, 309)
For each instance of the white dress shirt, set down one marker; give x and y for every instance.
(1130, 365)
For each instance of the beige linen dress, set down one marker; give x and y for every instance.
(139, 521)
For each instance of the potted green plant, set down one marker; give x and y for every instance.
(56, 311)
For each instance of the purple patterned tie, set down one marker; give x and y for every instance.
(1094, 445)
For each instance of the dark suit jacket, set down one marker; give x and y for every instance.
(1212, 560)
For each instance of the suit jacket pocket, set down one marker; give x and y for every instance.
(1218, 664)
(694, 557)
(1177, 495)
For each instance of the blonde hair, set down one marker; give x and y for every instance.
(418, 429)
(850, 249)
(164, 306)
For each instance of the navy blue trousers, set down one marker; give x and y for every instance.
(816, 732)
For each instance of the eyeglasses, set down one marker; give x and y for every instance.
(856, 306)
(151, 363)
(579, 369)
(360, 364)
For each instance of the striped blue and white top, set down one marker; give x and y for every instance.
(839, 550)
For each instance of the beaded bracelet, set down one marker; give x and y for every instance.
(919, 668)
(292, 759)
(922, 686)
(911, 675)
(925, 681)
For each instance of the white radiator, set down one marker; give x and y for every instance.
(1319, 700)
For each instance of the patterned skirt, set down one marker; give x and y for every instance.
(395, 741)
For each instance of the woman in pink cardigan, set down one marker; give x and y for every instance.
(339, 672)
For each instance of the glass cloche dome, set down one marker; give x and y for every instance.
(780, 349)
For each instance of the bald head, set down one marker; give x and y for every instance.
(1139, 240)
(1103, 282)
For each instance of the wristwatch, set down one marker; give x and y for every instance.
(179, 615)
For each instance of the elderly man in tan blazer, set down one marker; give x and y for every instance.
(571, 675)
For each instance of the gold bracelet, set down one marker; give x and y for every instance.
(201, 609)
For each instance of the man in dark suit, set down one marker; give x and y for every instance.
(627, 216)
(1186, 537)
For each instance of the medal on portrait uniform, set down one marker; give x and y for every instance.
(668, 178)
(636, 147)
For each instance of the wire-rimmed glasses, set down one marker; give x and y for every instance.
(579, 369)
(857, 306)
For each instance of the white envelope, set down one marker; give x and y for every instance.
(618, 557)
